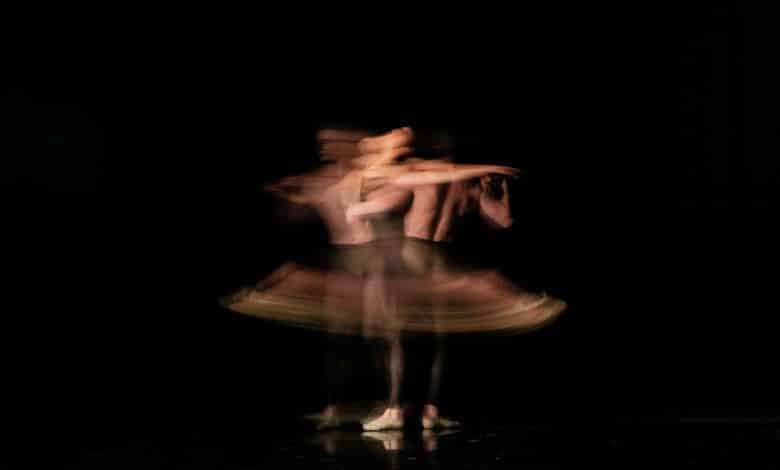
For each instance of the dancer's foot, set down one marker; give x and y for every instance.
(330, 418)
(392, 418)
(432, 420)
(439, 423)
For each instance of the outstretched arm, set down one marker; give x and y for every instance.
(452, 174)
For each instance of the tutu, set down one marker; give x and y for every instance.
(388, 286)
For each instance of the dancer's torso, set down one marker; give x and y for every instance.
(438, 212)
(333, 203)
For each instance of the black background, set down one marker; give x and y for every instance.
(134, 153)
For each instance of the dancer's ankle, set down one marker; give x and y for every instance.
(430, 411)
(329, 411)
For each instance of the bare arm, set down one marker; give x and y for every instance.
(381, 202)
(455, 173)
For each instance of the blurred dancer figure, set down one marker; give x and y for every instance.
(387, 213)
(368, 251)
(330, 190)
(433, 197)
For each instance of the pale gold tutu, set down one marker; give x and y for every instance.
(380, 289)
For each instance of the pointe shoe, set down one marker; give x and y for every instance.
(384, 422)
(327, 419)
(438, 423)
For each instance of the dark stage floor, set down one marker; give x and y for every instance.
(693, 442)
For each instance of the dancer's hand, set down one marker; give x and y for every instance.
(494, 186)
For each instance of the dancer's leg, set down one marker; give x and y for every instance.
(381, 320)
(336, 367)
(437, 365)
(396, 362)
(392, 417)
(438, 307)
(430, 411)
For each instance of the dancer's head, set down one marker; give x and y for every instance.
(346, 143)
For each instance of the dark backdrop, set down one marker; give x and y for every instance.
(134, 153)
